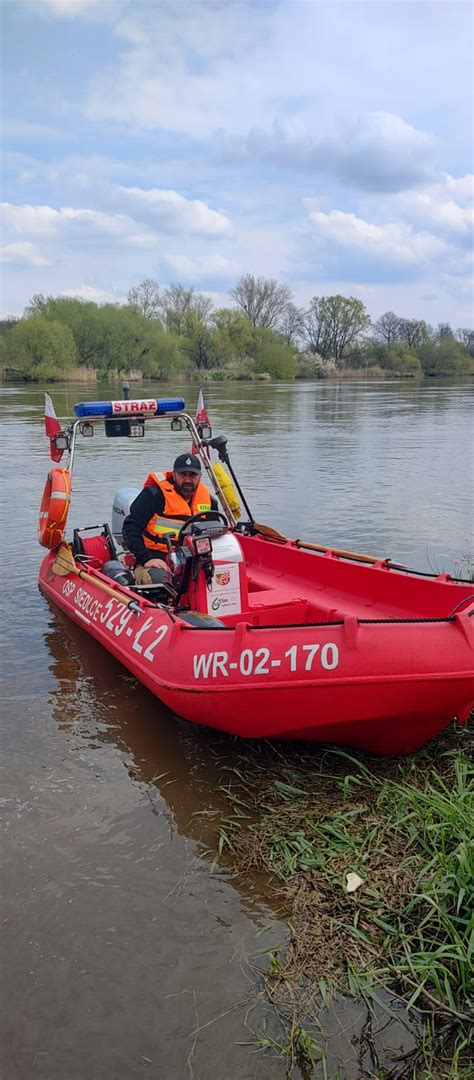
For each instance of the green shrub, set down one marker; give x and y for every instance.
(444, 357)
(40, 349)
(397, 358)
(271, 354)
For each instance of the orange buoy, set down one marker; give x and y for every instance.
(54, 507)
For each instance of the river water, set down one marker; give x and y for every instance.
(125, 952)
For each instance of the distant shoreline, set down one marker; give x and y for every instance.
(202, 378)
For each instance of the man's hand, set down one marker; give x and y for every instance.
(142, 572)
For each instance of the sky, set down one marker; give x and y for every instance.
(326, 145)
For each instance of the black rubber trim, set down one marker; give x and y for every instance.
(337, 622)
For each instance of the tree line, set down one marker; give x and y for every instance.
(177, 333)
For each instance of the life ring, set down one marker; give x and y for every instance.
(54, 507)
(227, 488)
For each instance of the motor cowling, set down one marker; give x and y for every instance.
(121, 509)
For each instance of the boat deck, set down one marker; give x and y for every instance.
(274, 601)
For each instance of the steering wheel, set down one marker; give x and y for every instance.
(205, 515)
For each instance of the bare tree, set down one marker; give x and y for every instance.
(317, 329)
(291, 325)
(387, 328)
(177, 302)
(262, 300)
(145, 297)
(334, 324)
(465, 336)
(443, 330)
(8, 322)
(202, 306)
(196, 338)
(414, 331)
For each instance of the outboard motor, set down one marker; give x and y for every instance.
(121, 509)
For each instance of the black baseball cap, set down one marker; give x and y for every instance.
(187, 463)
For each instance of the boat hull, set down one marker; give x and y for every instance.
(382, 685)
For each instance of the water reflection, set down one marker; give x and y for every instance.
(97, 700)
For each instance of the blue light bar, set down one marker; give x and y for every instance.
(136, 407)
(93, 408)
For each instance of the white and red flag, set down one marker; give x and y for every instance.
(201, 416)
(51, 427)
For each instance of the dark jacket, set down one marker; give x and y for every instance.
(150, 501)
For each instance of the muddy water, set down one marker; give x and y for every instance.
(124, 952)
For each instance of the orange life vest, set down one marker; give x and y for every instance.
(175, 511)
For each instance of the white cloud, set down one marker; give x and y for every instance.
(445, 206)
(76, 226)
(89, 292)
(200, 266)
(394, 241)
(79, 224)
(13, 127)
(376, 151)
(70, 8)
(161, 209)
(22, 252)
(459, 188)
(219, 298)
(194, 68)
(202, 67)
(169, 210)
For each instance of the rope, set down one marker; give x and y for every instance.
(465, 601)
(361, 622)
(438, 619)
(336, 622)
(425, 573)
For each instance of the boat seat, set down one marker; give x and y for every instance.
(315, 611)
(323, 605)
(268, 598)
(293, 613)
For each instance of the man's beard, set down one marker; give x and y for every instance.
(186, 490)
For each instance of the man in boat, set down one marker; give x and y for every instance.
(161, 508)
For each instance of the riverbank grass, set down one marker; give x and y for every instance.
(373, 863)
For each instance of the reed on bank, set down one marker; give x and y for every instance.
(406, 829)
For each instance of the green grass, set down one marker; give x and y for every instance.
(407, 829)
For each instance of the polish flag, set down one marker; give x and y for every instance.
(201, 416)
(51, 427)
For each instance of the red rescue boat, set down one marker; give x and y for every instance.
(262, 636)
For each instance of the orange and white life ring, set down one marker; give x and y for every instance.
(54, 507)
